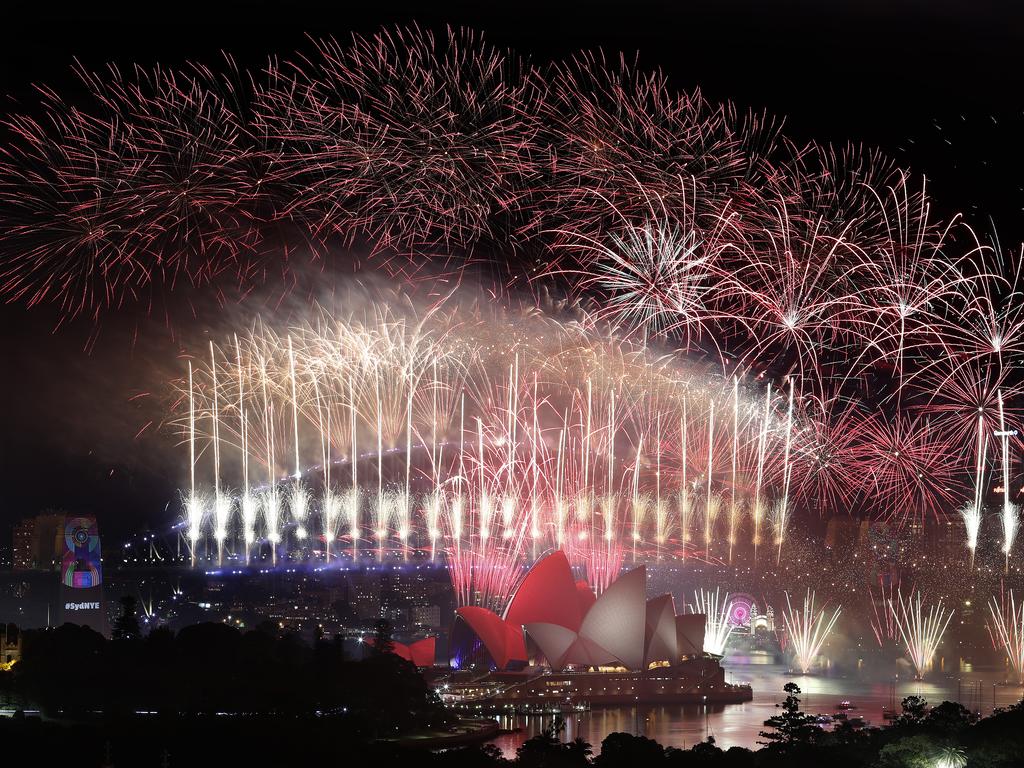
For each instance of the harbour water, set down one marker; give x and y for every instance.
(979, 689)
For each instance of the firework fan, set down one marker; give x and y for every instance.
(921, 631)
(1007, 631)
(487, 438)
(807, 629)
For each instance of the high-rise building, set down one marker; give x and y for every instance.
(24, 533)
(426, 616)
(947, 538)
(842, 533)
(38, 542)
(366, 598)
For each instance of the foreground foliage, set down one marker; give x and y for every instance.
(163, 699)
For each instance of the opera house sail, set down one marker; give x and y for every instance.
(557, 641)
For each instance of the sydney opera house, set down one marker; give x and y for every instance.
(556, 641)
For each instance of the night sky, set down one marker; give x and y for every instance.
(937, 85)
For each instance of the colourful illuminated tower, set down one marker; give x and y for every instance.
(81, 574)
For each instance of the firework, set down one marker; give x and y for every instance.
(195, 512)
(921, 632)
(972, 513)
(620, 135)
(883, 622)
(951, 757)
(249, 510)
(971, 516)
(433, 434)
(1009, 518)
(905, 465)
(717, 627)
(1008, 620)
(419, 140)
(657, 277)
(656, 220)
(194, 506)
(807, 629)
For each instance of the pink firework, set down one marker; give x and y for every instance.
(905, 467)
(405, 139)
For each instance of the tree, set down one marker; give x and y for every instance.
(848, 734)
(268, 628)
(917, 751)
(914, 710)
(792, 727)
(545, 750)
(383, 642)
(48, 655)
(949, 716)
(624, 750)
(126, 626)
(541, 750)
(706, 752)
(577, 752)
(476, 756)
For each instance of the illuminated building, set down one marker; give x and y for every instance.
(10, 647)
(24, 531)
(81, 574)
(555, 639)
(38, 542)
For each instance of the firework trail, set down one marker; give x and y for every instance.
(1008, 621)
(421, 141)
(781, 512)
(972, 513)
(194, 505)
(656, 278)
(463, 442)
(883, 622)
(717, 628)
(921, 632)
(807, 629)
(1009, 518)
(971, 516)
(951, 757)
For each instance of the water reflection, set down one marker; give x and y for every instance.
(979, 689)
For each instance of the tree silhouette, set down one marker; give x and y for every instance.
(949, 717)
(383, 642)
(793, 726)
(624, 750)
(126, 626)
(545, 750)
(914, 710)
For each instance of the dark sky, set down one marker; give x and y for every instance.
(937, 84)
